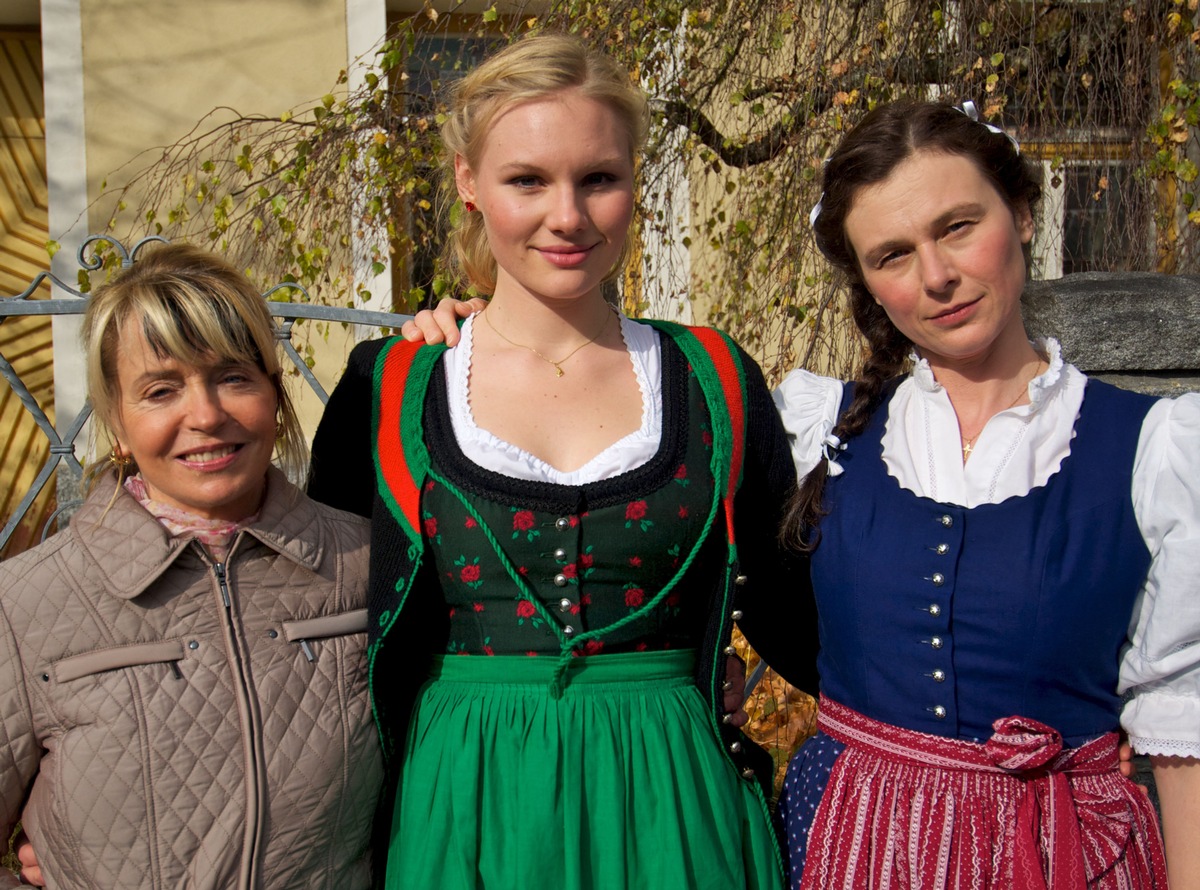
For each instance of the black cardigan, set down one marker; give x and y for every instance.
(772, 590)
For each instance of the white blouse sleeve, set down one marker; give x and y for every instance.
(1160, 669)
(808, 405)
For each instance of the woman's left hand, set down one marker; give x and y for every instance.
(31, 872)
(440, 324)
(734, 692)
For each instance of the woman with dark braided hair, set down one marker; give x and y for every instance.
(1003, 553)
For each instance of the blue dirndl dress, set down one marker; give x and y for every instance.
(942, 619)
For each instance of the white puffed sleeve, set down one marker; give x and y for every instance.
(808, 405)
(1160, 670)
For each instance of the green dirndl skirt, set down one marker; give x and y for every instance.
(620, 783)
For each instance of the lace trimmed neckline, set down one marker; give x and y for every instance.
(492, 452)
(1041, 387)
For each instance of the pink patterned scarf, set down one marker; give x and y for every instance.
(215, 534)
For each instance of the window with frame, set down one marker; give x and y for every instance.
(436, 60)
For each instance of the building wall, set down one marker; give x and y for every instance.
(153, 68)
(24, 342)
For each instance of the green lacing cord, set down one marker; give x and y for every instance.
(567, 645)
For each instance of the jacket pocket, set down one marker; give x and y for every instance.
(326, 626)
(97, 662)
(302, 630)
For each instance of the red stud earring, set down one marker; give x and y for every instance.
(470, 205)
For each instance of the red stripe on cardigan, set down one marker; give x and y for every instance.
(392, 461)
(729, 373)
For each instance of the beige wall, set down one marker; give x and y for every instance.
(152, 69)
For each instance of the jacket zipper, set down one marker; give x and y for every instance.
(253, 804)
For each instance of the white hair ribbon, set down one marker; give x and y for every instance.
(831, 446)
(968, 108)
(816, 209)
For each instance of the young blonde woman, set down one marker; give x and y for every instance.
(569, 511)
(183, 691)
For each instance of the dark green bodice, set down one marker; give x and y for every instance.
(593, 557)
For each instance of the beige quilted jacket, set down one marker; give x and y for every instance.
(166, 722)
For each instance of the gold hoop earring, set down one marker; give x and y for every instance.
(119, 460)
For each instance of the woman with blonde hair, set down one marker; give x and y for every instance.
(564, 508)
(183, 694)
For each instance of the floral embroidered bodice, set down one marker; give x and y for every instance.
(593, 556)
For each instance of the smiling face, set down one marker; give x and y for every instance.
(554, 183)
(202, 435)
(941, 251)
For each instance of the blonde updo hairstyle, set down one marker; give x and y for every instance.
(533, 68)
(195, 308)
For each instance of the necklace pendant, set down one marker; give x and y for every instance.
(967, 449)
(558, 372)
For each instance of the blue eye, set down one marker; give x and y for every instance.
(236, 376)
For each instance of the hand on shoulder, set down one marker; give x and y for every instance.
(441, 324)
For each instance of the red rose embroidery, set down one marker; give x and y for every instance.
(586, 599)
(523, 520)
(681, 473)
(634, 597)
(525, 609)
(478, 607)
(706, 438)
(592, 647)
(431, 526)
(673, 598)
(640, 647)
(635, 561)
(487, 650)
(467, 575)
(683, 512)
(470, 523)
(569, 570)
(586, 561)
(636, 510)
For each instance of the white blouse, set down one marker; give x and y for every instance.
(1020, 449)
(493, 453)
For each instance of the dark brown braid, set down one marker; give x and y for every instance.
(868, 154)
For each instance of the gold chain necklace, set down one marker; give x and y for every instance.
(969, 442)
(557, 364)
